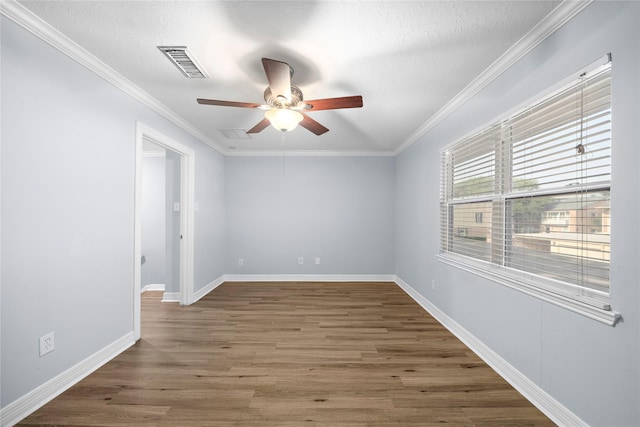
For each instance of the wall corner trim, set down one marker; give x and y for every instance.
(557, 412)
(38, 397)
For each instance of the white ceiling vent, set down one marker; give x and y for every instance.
(235, 133)
(184, 60)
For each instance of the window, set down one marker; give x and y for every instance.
(532, 196)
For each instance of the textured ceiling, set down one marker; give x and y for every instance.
(407, 59)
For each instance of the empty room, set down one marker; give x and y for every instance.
(321, 213)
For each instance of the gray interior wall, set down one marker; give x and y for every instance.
(591, 368)
(210, 219)
(67, 177)
(153, 220)
(339, 209)
(67, 219)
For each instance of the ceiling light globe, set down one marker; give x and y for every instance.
(283, 119)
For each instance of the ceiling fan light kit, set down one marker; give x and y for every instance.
(285, 103)
(284, 119)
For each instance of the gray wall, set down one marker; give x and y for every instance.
(68, 156)
(339, 209)
(67, 219)
(153, 220)
(591, 368)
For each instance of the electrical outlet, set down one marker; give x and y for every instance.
(317, 260)
(47, 344)
(433, 285)
(300, 260)
(240, 261)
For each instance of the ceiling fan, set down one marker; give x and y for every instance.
(284, 102)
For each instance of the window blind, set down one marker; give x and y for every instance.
(560, 158)
(531, 193)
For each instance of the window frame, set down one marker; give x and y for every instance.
(592, 303)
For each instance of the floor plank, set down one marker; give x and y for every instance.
(292, 354)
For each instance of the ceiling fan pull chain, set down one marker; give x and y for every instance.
(283, 153)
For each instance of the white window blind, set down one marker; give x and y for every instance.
(530, 194)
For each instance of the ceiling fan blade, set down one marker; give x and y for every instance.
(313, 126)
(334, 103)
(264, 123)
(279, 77)
(228, 103)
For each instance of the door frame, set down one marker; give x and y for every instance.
(187, 180)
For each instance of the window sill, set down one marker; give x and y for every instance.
(594, 308)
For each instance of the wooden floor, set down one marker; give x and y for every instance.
(292, 354)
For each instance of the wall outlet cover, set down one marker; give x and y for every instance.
(47, 343)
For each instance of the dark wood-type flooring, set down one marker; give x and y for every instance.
(292, 354)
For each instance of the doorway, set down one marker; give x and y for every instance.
(179, 219)
(160, 222)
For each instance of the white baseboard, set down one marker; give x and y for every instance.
(557, 412)
(282, 278)
(208, 288)
(309, 278)
(171, 297)
(153, 287)
(38, 397)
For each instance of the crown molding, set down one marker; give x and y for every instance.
(563, 13)
(41, 29)
(34, 24)
(308, 153)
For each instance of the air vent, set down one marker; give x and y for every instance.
(235, 133)
(184, 60)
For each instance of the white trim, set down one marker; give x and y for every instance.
(310, 153)
(187, 223)
(40, 28)
(152, 154)
(547, 93)
(38, 397)
(137, 235)
(309, 278)
(200, 293)
(171, 297)
(153, 287)
(565, 11)
(187, 216)
(557, 412)
(589, 306)
(197, 295)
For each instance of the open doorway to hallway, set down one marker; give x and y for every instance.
(163, 242)
(160, 222)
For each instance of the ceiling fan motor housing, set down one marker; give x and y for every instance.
(281, 102)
